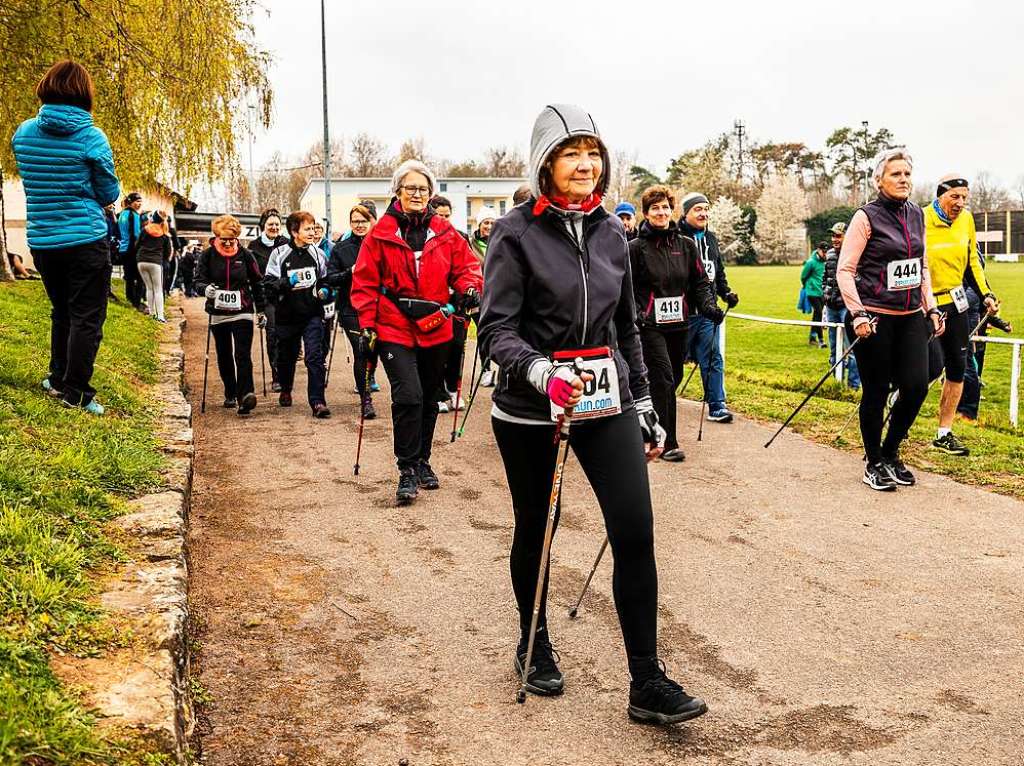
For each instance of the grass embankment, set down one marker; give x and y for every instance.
(64, 475)
(770, 368)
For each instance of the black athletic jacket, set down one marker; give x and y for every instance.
(711, 258)
(666, 264)
(339, 271)
(262, 253)
(239, 272)
(830, 287)
(543, 293)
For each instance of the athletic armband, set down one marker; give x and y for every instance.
(861, 315)
(933, 312)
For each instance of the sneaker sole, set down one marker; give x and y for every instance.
(720, 419)
(404, 499)
(879, 487)
(649, 716)
(536, 689)
(948, 451)
(430, 486)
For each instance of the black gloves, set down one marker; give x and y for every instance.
(718, 316)
(732, 300)
(368, 343)
(469, 303)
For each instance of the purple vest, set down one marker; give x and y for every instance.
(897, 234)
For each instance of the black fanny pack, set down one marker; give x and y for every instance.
(426, 314)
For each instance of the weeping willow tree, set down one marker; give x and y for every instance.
(171, 77)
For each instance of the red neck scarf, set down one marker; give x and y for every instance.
(563, 203)
(225, 251)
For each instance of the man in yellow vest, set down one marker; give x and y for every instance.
(950, 246)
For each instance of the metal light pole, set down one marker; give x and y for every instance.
(327, 132)
(252, 173)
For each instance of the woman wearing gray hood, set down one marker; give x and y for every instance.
(557, 286)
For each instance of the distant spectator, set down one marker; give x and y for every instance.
(188, 270)
(811, 277)
(67, 169)
(835, 309)
(153, 251)
(18, 267)
(129, 224)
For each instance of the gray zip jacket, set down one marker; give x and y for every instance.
(557, 281)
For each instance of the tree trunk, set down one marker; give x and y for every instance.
(6, 273)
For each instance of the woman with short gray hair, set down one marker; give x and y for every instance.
(883, 276)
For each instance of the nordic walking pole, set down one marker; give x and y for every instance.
(575, 610)
(206, 364)
(549, 531)
(362, 410)
(688, 379)
(458, 386)
(263, 363)
(472, 393)
(818, 385)
(330, 356)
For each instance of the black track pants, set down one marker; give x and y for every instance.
(234, 356)
(311, 337)
(664, 354)
(416, 375)
(77, 282)
(895, 355)
(611, 453)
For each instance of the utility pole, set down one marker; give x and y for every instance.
(741, 131)
(327, 132)
(252, 173)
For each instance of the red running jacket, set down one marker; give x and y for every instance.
(386, 259)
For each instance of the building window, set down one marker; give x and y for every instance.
(444, 186)
(501, 207)
(469, 210)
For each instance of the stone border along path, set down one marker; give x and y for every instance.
(144, 688)
(825, 623)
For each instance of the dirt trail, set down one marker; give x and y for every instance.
(824, 623)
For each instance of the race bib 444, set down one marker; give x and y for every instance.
(904, 275)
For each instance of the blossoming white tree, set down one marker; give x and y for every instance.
(781, 210)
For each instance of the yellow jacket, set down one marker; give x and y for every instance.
(951, 251)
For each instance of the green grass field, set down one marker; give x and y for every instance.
(63, 475)
(770, 368)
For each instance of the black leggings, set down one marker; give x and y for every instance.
(895, 355)
(664, 354)
(350, 326)
(233, 340)
(611, 452)
(416, 375)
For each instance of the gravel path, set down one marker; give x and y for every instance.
(824, 623)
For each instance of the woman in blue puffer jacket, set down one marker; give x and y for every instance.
(67, 169)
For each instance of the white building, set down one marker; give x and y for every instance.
(467, 195)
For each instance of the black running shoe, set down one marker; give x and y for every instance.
(674, 455)
(659, 699)
(950, 444)
(427, 477)
(544, 677)
(876, 476)
(408, 486)
(247, 404)
(369, 413)
(898, 472)
(230, 402)
(321, 411)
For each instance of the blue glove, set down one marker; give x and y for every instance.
(293, 279)
(447, 309)
(324, 294)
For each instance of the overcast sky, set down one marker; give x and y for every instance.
(945, 77)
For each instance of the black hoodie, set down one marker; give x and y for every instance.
(666, 264)
(543, 293)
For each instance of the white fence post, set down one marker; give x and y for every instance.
(840, 344)
(1015, 384)
(721, 342)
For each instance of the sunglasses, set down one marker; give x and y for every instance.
(228, 241)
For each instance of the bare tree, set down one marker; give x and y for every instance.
(413, 149)
(369, 157)
(503, 162)
(621, 186)
(987, 194)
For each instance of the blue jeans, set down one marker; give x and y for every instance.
(704, 349)
(839, 315)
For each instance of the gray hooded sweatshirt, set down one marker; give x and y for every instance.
(557, 281)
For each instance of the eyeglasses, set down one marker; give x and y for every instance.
(228, 241)
(359, 223)
(416, 191)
